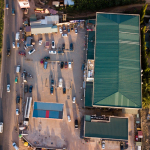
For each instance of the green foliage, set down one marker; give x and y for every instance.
(143, 13)
(94, 5)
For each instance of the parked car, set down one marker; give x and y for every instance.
(76, 124)
(15, 146)
(60, 82)
(69, 119)
(74, 99)
(69, 65)
(60, 29)
(30, 89)
(17, 112)
(8, 52)
(40, 42)
(71, 46)
(13, 11)
(52, 90)
(20, 29)
(16, 80)
(1, 127)
(8, 87)
(121, 146)
(7, 6)
(64, 27)
(47, 58)
(52, 82)
(76, 31)
(26, 88)
(63, 46)
(53, 44)
(64, 90)
(18, 45)
(64, 35)
(60, 52)
(103, 144)
(71, 27)
(18, 99)
(62, 65)
(45, 65)
(42, 61)
(31, 51)
(68, 29)
(22, 53)
(52, 52)
(82, 68)
(66, 65)
(13, 45)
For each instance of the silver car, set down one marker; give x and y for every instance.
(8, 87)
(31, 51)
(13, 44)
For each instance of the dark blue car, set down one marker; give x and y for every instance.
(71, 46)
(30, 89)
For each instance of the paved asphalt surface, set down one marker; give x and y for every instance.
(8, 100)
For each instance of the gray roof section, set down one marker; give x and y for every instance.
(42, 29)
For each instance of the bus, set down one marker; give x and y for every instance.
(27, 110)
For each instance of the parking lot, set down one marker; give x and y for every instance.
(57, 132)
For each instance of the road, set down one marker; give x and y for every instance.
(8, 100)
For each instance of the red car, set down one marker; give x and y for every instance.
(42, 61)
(66, 65)
(22, 53)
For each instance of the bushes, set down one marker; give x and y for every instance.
(93, 5)
(143, 13)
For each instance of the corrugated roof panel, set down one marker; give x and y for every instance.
(54, 114)
(117, 79)
(89, 94)
(117, 128)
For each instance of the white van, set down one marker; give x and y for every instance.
(18, 69)
(17, 36)
(1, 127)
(52, 52)
(69, 65)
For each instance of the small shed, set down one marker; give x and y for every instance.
(48, 110)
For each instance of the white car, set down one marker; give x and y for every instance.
(53, 44)
(76, 31)
(103, 144)
(17, 112)
(60, 29)
(64, 35)
(15, 146)
(8, 87)
(1, 127)
(13, 45)
(60, 82)
(52, 52)
(31, 51)
(69, 119)
(40, 42)
(69, 65)
(74, 99)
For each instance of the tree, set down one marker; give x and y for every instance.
(143, 13)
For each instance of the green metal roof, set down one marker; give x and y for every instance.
(117, 128)
(117, 78)
(89, 94)
(90, 51)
